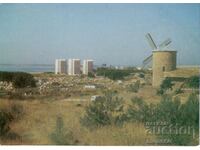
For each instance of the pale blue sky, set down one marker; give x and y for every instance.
(108, 33)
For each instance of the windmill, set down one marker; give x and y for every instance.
(152, 44)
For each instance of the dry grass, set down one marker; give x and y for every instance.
(39, 121)
(129, 134)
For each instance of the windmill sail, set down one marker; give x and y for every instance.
(154, 47)
(165, 43)
(147, 60)
(151, 42)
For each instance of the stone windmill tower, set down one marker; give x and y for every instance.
(163, 58)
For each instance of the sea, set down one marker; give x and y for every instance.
(27, 67)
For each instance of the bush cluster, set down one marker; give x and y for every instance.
(134, 87)
(7, 116)
(106, 110)
(5, 119)
(110, 110)
(171, 111)
(60, 136)
(91, 75)
(193, 82)
(19, 79)
(114, 74)
(165, 85)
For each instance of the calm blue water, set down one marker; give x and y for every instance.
(27, 68)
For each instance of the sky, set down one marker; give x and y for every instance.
(107, 33)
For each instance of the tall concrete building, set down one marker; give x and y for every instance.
(60, 66)
(87, 66)
(70, 67)
(74, 66)
(163, 61)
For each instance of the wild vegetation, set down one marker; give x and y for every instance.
(107, 110)
(134, 87)
(168, 110)
(61, 136)
(91, 75)
(126, 116)
(19, 79)
(7, 116)
(193, 82)
(116, 74)
(172, 112)
(165, 85)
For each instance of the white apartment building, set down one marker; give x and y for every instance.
(74, 66)
(60, 66)
(87, 66)
(70, 67)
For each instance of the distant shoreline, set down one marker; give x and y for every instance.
(27, 64)
(27, 67)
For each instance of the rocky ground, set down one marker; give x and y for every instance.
(73, 86)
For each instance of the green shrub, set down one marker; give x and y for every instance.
(106, 110)
(193, 82)
(17, 110)
(5, 119)
(172, 112)
(115, 91)
(7, 116)
(60, 136)
(188, 117)
(178, 91)
(160, 92)
(139, 111)
(6, 76)
(168, 109)
(141, 75)
(190, 111)
(19, 79)
(114, 74)
(91, 75)
(135, 87)
(185, 116)
(165, 85)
